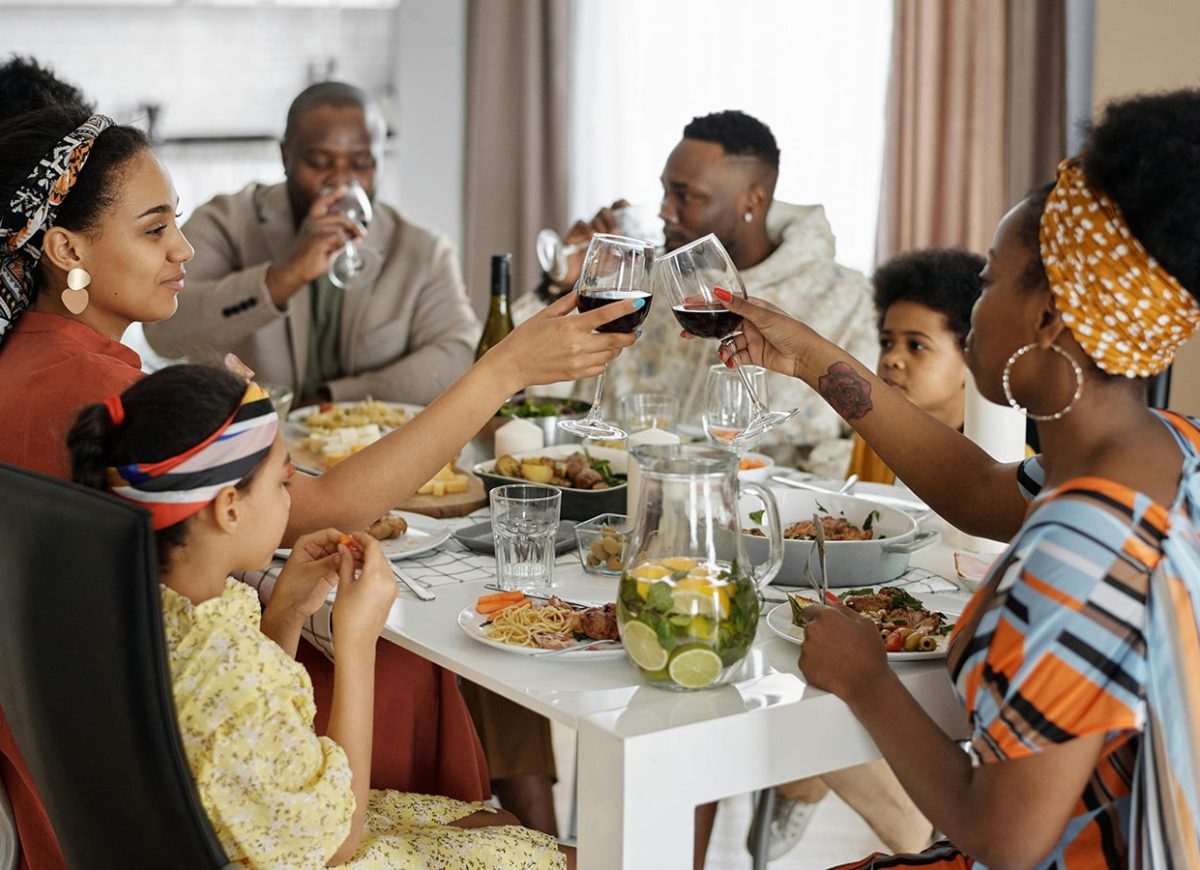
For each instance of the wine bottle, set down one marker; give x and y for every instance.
(499, 320)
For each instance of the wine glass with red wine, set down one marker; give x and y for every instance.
(615, 268)
(687, 277)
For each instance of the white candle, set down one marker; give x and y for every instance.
(653, 435)
(1000, 431)
(519, 435)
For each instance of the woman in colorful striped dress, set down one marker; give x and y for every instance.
(1078, 660)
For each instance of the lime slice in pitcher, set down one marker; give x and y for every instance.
(695, 668)
(642, 645)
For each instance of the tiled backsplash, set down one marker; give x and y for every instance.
(212, 69)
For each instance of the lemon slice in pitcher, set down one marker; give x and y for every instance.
(695, 668)
(642, 645)
(700, 597)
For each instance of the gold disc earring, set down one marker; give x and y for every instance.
(75, 297)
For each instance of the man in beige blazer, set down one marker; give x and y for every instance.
(402, 330)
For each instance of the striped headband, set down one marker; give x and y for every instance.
(32, 210)
(1126, 311)
(176, 488)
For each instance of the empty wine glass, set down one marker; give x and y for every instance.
(728, 409)
(614, 269)
(687, 277)
(350, 261)
(633, 221)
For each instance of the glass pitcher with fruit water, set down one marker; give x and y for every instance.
(688, 603)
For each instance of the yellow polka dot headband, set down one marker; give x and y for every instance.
(1126, 311)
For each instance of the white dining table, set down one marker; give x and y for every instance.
(648, 756)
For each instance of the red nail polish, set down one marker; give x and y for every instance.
(729, 363)
(722, 294)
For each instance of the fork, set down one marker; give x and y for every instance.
(819, 530)
(570, 649)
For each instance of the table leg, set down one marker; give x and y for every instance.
(633, 810)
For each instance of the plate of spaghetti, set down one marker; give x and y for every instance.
(513, 623)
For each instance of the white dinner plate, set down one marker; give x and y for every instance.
(295, 430)
(298, 415)
(423, 534)
(779, 620)
(473, 624)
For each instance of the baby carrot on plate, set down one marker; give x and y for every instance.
(499, 601)
(514, 595)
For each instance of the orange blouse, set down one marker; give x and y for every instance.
(50, 367)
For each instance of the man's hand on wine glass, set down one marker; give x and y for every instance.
(320, 237)
(770, 337)
(558, 345)
(581, 232)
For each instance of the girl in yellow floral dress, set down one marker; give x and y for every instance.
(200, 449)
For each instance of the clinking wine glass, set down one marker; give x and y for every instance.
(633, 221)
(615, 268)
(350, 261)
(688, 276)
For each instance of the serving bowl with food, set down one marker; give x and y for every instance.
(592, 479)
(543, 412)
(755, 467)
(602, 544)
(866, 542)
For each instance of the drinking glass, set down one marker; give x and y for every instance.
(615, 268)
(646, 410)
(352, 258)
(524, 525)
(633, 221)
(727, 406)
(688, 276)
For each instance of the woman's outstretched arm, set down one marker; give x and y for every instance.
(555, 345)
(955, 477)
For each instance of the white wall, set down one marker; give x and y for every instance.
(213, 69)
(430, 81)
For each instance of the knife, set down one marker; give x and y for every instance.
(416, 588)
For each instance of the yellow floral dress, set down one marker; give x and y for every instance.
(278, 795)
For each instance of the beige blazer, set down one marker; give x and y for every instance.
(407, 331)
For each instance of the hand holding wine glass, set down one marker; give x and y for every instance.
(323, 232)
(695, 278)
(558, 344)
(770, 337)
(561, 258)
(615, 269)
(349, 262)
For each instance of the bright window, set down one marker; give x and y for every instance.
(815, 71)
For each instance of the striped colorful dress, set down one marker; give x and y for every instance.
(1087, 624)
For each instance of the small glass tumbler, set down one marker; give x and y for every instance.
(646, 410)
(524, 524)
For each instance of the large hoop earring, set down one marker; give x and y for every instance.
(1043, 418)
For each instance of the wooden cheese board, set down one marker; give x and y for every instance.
(457, 504)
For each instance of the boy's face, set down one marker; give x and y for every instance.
(920, 355)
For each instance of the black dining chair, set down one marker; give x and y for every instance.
(84, 680)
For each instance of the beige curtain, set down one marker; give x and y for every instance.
(516, 172)
(976, 108)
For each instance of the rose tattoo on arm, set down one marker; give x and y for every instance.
(846, 391)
